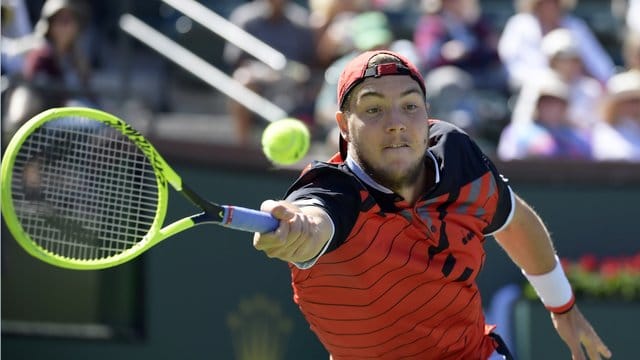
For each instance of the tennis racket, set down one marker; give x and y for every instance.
(81, 189)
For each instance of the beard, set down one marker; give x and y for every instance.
(392, 179)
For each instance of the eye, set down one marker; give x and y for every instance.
(373, 110)
(411, 107)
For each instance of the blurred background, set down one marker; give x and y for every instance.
(550, 89)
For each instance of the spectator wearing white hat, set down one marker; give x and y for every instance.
(547, 131)
(628, 13)
(563, 53)
(617, 137)
(16, 27)
(56, 70)
(631, 50)
(520, 45)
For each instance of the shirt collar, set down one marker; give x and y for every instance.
(364, 177)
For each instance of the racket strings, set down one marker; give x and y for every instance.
(83, 190)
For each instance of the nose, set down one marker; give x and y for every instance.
(396, 121)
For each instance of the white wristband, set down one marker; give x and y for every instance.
(553, 288)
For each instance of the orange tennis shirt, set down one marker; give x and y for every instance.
(398, 280)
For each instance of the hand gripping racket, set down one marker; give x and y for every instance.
(81, 189)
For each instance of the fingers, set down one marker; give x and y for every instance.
(268, 242)
(604, 350)
(594, 346)
(575, 348)
(582, 340)
(279, 210)
(283, 212)
(287, 241)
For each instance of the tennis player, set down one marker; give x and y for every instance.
(385, 240)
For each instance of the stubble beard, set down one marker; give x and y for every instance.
(391, 180)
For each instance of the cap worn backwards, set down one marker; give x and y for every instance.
(358, 69)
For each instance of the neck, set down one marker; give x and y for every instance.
(413, 192)
(426, 178)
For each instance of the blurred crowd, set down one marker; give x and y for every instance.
(539, 85)
(43, 64)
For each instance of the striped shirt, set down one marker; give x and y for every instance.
(398, 280)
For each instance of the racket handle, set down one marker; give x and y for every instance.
(240, 218)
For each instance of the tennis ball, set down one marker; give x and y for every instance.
(285, 141)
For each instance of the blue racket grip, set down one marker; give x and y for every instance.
(244, 219)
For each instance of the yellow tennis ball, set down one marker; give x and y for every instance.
(285, 141)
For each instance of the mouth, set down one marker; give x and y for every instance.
(397, 146)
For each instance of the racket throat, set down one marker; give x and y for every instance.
(212, 212)
(207, 217)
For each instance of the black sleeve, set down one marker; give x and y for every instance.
(505, 205)
(336, 191)
(466, 161)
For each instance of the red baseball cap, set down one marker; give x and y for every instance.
(358, 69)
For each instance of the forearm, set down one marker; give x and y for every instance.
(529, 245)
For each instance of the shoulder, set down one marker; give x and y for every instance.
(440, 125)
(443, 134)
(449, 141)
(571, 21)
(459, 157)
(521, 20)
(610, 144)
(327, 175)
(578, 27)
(42, 50)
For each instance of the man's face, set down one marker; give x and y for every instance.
(552, 111)
(549, 10)
(387, 129)
(64, 27)
(569, 67)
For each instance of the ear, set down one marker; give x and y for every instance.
(341, 119)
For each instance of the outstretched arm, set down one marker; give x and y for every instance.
(302, 234)
(527, 242)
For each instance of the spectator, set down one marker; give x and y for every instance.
(617, 137)
(520, 45)
(16, 28)
(330, 20)
(631, 50)
(454, 33)
(628, 12)
(283, 25)
(632, 17)
(56, 72)
(563, 54)
(450, 92)
(467, 84)
(547, 132)
(16, 41)
(366, 31)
